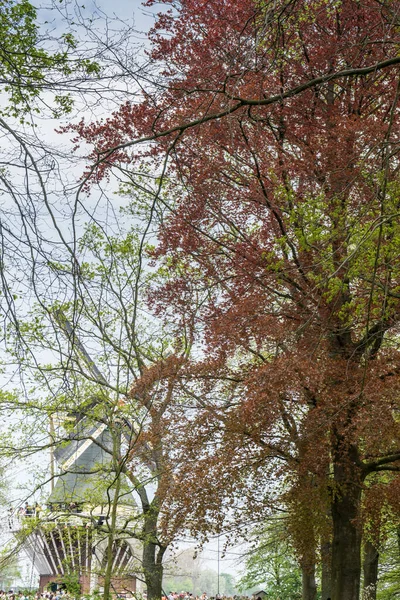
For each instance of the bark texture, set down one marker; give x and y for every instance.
(370, 568)
(309, 586)
(152, 557)
(346, 544)
(326, 557)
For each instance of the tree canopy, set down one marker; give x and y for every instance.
(260, 169)
(276, 124)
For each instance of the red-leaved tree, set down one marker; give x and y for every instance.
(277, 123)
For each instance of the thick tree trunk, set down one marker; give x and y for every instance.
(153, 571)
(346, 542)
(371, 563)
(309, 586)
(326, 558)
(152, 556)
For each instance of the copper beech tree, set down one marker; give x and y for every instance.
(277, 125)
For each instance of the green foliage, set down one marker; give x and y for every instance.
(271, 565)
(186, 572)
(197, 581)
(26, 65)
(9, 569)
(71, 582)
(389, 569)
(22, 62)
(227, 584)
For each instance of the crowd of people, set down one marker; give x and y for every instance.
(26, 510)
(64, 595)
(204, 596)
(12, 595)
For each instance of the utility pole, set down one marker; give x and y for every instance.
(218, 565)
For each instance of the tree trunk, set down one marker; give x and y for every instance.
(113, 509)
(398, 538)
(326, 558)
(153, 571)
(309, 586)
(152, 556)
(346, 542)
(371, 563)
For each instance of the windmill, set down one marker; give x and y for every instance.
(71, 537)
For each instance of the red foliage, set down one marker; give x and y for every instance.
(280, 121)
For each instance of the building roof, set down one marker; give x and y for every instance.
(86, 473)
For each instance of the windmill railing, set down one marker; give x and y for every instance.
(62, 514)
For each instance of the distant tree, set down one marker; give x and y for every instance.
(228, 585)
(188, 572)
(388, 587)
(182, 572)
(10, 570)
(271, 564)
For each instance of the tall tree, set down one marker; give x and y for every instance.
(279, 124)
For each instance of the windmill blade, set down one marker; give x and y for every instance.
(131, 428)
(77, 345)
